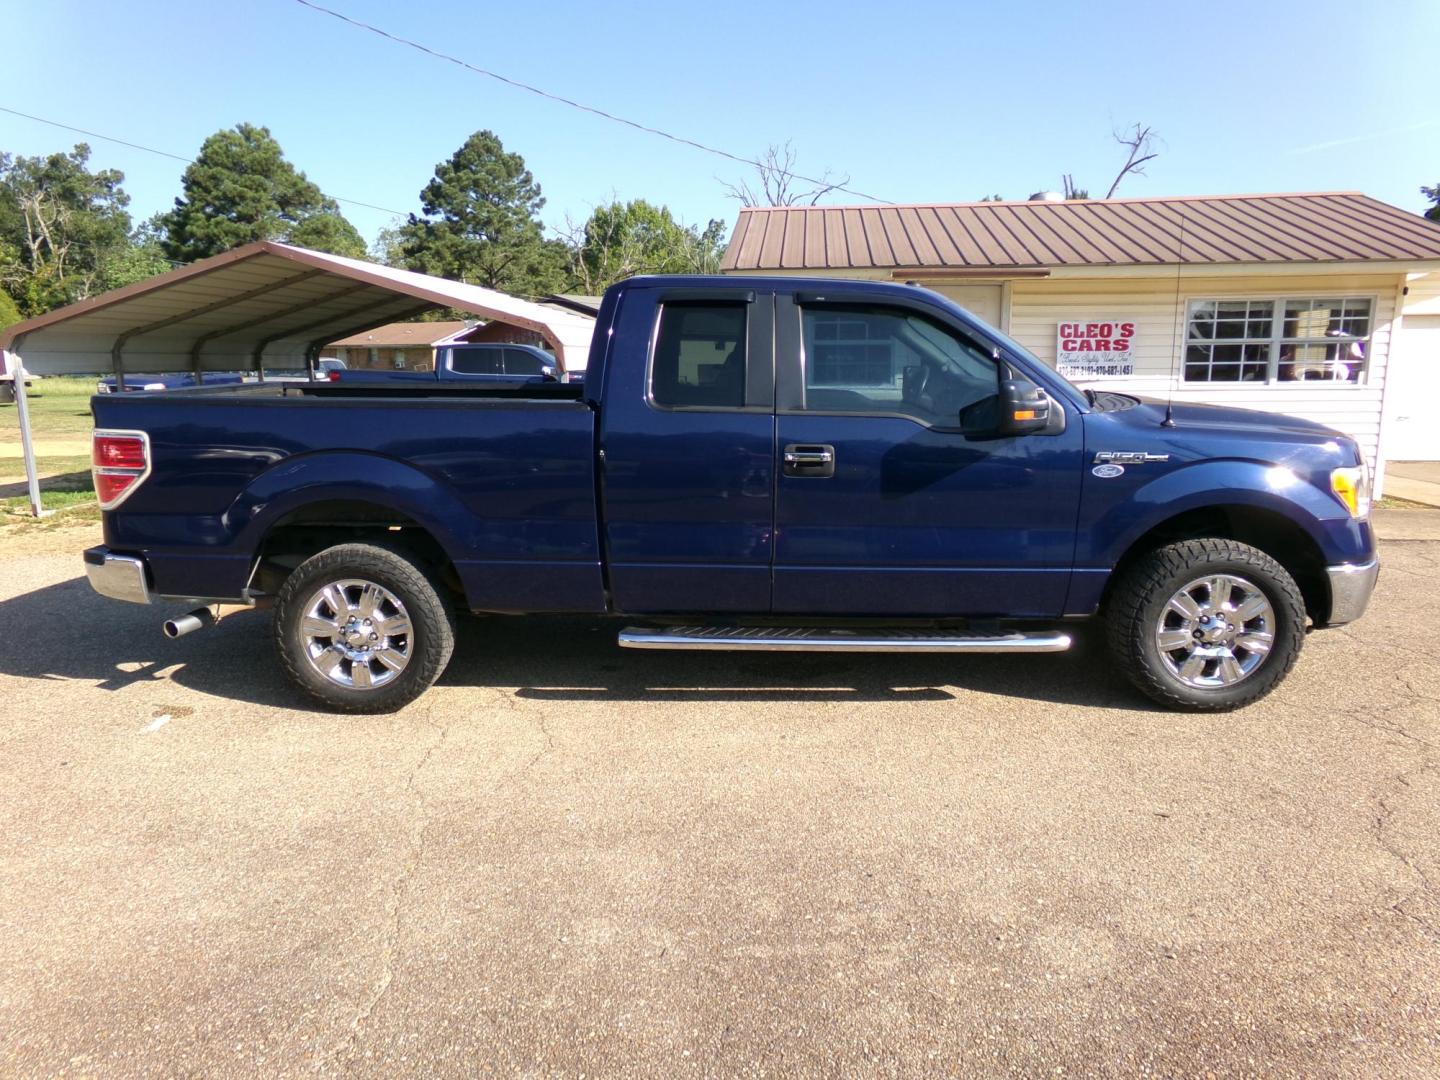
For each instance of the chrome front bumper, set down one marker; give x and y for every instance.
(1350, 587)
(120, 577)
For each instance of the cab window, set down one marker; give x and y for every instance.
(520, 362)
(891, 360)
(699, 359)
(481, 361)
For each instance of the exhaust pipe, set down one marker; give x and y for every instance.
(199, 619)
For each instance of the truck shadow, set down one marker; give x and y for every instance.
(65, 631)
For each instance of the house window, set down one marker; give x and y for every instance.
(399, 359)
(1278, 341)
(843, 351)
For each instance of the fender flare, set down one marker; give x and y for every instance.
(351, 476)
(1212, 483)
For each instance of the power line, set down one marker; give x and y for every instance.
(166, 153)
(573, 104)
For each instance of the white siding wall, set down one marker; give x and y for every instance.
(1423, 297)
(1037, 306)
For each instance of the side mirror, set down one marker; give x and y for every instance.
(1020, 408)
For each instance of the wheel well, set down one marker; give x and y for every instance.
(1273, 533)
(317, 526)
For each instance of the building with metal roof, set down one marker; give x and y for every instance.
(1334, 227)
(1322, 305)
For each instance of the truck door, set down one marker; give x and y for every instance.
(883, 506)
(688, 451)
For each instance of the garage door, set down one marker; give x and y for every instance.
(1412, 389)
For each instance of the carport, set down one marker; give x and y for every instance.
(264, 305)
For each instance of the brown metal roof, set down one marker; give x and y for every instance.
(401, 334)
(1340, 226)
(262, 304)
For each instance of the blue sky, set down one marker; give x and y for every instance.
(922, 101)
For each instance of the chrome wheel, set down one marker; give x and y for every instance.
(356, 633)
(1216, 631)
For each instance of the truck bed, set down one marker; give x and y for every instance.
(502, 476)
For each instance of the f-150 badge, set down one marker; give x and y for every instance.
(1128, 457)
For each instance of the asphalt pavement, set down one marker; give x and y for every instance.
(568, 859)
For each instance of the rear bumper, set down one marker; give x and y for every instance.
(120, 577)
(1351, 585)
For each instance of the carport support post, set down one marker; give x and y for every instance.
(11, 362)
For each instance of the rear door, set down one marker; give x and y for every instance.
(883, 506)
(688, 451)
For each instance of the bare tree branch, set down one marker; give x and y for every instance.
(779, 184)
(1140, 140)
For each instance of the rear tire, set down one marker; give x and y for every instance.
(362, 629)
(1206, 625)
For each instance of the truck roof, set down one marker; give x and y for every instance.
(780, 282)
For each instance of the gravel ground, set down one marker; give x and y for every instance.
(570, 859)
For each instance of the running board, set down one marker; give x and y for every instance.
(787, 639)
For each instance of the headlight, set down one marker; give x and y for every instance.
(1352, 487)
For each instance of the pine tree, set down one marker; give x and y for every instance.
(480, 223)
(240, 189)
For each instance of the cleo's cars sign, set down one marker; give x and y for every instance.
(1098, 349)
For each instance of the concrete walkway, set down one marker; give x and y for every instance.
(1406, 524)
(1418, 481)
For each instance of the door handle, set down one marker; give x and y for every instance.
(807, 459)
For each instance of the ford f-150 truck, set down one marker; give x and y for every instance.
(758, 463)
(485, 361)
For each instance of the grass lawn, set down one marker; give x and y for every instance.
(59, 409)
(71, 508)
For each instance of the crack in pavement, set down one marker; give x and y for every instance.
(1427, 887)
(399, 889)
(1385, 812)
(1380, 819)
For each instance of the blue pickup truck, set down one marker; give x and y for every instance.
(752, 464)
(478, 361)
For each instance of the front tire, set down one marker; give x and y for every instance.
(1206, 625)
(362, 629)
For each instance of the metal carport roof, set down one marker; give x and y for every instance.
(261, 305)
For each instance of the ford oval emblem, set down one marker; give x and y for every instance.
(1108, 472)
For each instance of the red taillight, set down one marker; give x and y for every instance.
(119, 451)
(120, 460)
(110, 486)
(334, 376)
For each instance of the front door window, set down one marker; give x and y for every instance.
(891, 361)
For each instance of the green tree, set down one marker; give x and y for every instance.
(143, 257)
(240, 189)
(1433, 194)
(9, 313)
(388, 247)
(480, 223)
(331, 231)
(620, 240)
(63, 228)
